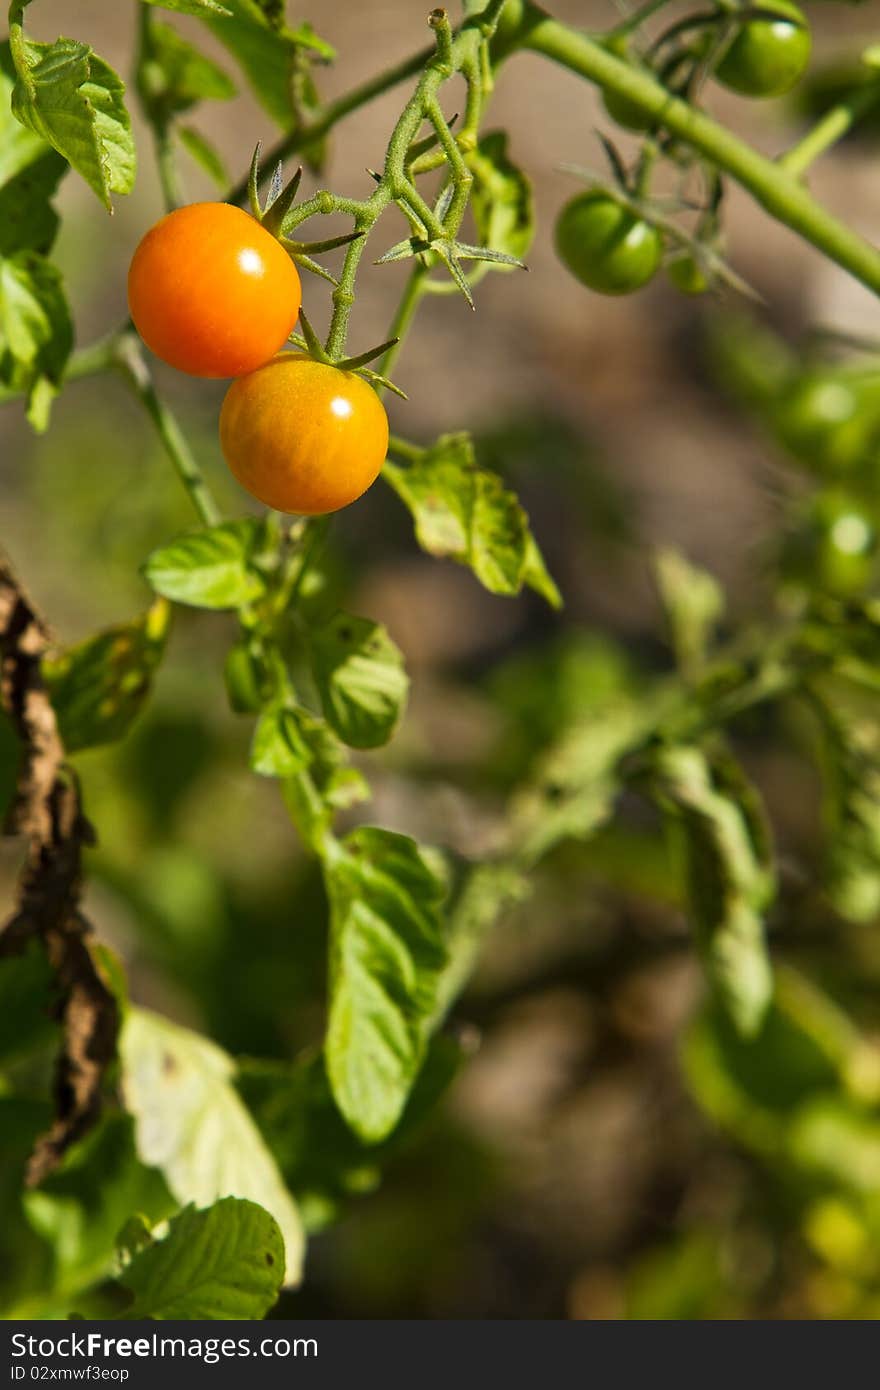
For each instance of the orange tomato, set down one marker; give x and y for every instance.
(211, 292)
(302, 436)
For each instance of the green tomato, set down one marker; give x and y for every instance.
(605, 246)
(827, 419)
(834, 550)
(767, 56)
(687, 275)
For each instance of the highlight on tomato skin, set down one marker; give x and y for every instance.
(303, 436)
(211, 292)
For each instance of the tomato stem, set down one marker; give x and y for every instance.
(830, 128)
(130, 360)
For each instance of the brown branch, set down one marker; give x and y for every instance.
(47, 812)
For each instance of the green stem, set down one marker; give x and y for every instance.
(173, 194)
(17, 43)
(830, 128)
(774, 188)
(413, 291)
(130, 360)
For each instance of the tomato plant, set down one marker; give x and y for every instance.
(631, 848)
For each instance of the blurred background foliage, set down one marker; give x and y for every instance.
(606, 1147)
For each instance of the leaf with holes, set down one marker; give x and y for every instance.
(98, 687)
(464, 511)
(222, 1263)
(360, 678)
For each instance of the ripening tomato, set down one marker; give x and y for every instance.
(623, 110)
(211, 292)
(302, 436)
(767, 56)
(605, 245)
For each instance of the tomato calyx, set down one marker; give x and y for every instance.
(309, 343)
(272, 215)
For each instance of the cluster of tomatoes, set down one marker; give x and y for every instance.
(214, 294)
(600, 238)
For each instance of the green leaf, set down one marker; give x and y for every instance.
(280, 747)
(851, 757)
(29, 174)
(200, 8)
(693, 602)
(74, 100)
(729, 874)
(266, 52)
(36, 334)
(191, 1124)
(501, 198)
(205, 155)
(573, 788)
(360, 679)
(99, 686)
(211, 568)
(222, 1263)
(386, 957)
(464, 512)
(173, 75)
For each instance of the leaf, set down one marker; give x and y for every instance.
(266, 52)
(191, 1124)
(98, 687)
(501, 198)
(279, 748)
(222, 1263)
(74, 100)
(36, 334)
(205, 155)
(200, 8)
(693, 602)
(574, 786)
(211, 568)
(852, 809)
(360, 679)
(173, 75)
(464, 512)
(30, 171)
(729, 874)
(386, 957)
